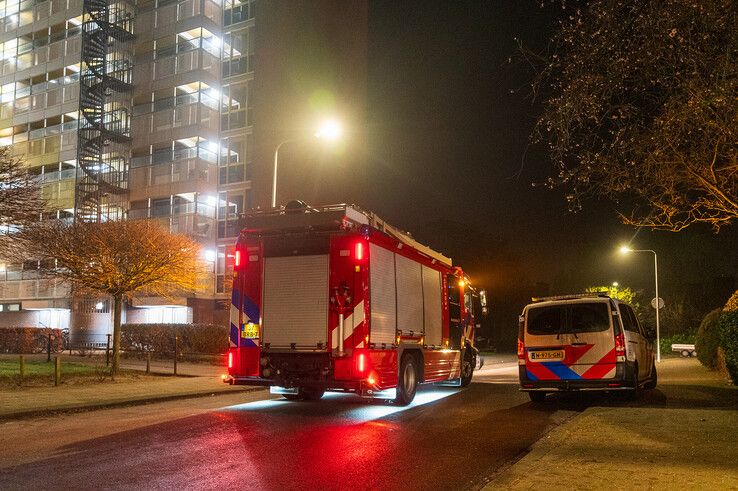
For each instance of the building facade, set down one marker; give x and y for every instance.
(171, 110)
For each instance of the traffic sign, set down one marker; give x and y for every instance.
(661, 303)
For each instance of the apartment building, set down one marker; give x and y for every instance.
(171, 110)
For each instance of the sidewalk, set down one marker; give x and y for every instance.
(199, 380)
(681, 435)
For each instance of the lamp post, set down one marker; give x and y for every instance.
(626, 250)
(330, 130)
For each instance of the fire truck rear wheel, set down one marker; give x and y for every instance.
(407, 383)
(467, 369)
(311, 393)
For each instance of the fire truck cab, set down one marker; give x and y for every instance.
(335, 299)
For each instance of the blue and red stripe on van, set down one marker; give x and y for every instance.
(575, 365)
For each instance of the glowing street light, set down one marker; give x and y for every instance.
(627, 250)
(330, 130)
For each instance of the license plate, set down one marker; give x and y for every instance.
(250, 331)
(546, 355)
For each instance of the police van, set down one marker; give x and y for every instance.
(583, 342)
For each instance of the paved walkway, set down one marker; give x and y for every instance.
(681, 435)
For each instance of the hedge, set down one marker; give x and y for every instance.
(201, 339)
(729, 342)
(27, 340)
(708, 339)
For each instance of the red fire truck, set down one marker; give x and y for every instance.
(334, 298)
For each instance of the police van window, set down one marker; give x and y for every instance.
(546, 320)
(629, 323)
(590, 317)
(634, 320)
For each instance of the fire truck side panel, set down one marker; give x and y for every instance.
(409, 282)
(348, 277)
(446, 318)
(442, 365)
(432, 306)
(295, 301)
(383, 320)
(420, 305)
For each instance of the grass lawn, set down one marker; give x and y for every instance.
(10, 368)
(41, 372)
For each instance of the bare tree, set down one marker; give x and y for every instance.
(21, 202)
(119, 258)
(641, 107)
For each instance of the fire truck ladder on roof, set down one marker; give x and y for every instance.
(299, 214)
(103, 135)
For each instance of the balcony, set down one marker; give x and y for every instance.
(41, 288)
(193, 174)
(197, 223)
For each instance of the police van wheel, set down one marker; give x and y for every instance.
(635, 393)
(537, 396)
(651, 384)
(407, 382)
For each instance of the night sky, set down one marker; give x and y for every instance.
(450, 118)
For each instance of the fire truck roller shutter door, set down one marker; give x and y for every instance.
(382, 294)
(295, 301)
(432, 306)
(409, 295)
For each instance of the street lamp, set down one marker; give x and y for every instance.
(627, 250)
(329, 130)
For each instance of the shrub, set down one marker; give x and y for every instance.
(708, 339)
(729, 341)
(200, 339)
(26, 340)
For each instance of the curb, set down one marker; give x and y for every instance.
(115, 404)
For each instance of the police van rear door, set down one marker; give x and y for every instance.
(570, 340)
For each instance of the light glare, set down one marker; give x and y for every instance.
(329, 130)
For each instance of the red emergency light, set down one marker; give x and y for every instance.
(359, 251)
(230, 359)
(237, 259)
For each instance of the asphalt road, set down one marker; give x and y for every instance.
(447, 439)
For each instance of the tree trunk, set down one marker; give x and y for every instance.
(117, 308)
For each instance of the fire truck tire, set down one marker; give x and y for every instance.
(311, 393)
(407, 383)
(467, 369)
